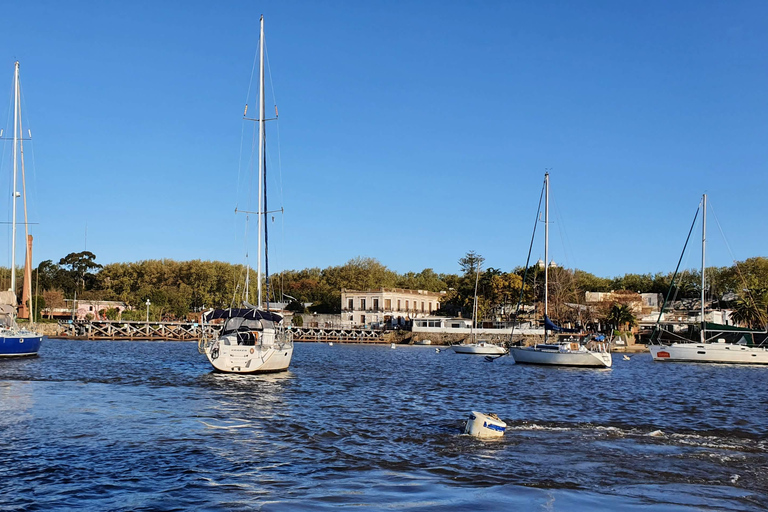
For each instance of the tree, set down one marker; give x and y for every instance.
(620, 315)
(749, 312)
(470, 263)
(54, 299)
(78, 267)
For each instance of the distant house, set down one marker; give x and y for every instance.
(394, 306)
(97, 308)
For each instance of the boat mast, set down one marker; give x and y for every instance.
(703, 261)
(474, 304)
(13, 192)
(261, 155)
(546, 253)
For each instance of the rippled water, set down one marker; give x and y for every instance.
(148, 426)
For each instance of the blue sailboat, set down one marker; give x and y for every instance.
(16, 341)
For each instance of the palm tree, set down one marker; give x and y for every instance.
(749, 312)
(621, 315)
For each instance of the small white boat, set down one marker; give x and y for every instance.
(717, 352)
(423, 342)
(484, 425)
(392, 346)
(564, 353)
(252, 339)
(568, 352)
(474, 346)
(480, 348)
(626, 357)
(713, 349)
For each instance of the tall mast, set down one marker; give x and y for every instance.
(13, 192)
(546, 252)
(261, 154)
(703, 261)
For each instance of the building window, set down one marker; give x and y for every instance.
(351, 318)
(398, 304)
(406, 305)
(351, 304)
(430, 307)
(422, 306)
(388, 304)
(362, 304)
(375, 304)
(362, 319)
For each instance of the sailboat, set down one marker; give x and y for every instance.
(16, 341)
(713, 349)
(567, 352)
(252, 339)
(475, 346)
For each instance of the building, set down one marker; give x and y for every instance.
(447, 325)
(96, 308)
(394, 306)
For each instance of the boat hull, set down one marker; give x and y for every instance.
(250, 359)
(20, 345)
(531, 355)
(726, 353)
(479, 349)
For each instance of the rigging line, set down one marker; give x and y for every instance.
(527, 263)
(9, 183)
(733, 258)
(277, 125)
(33, 183)
(266, 223)
(563, 238)
(661, 312)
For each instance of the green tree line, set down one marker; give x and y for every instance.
(176, 288)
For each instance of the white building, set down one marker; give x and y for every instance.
(387, 305)
(464, 326)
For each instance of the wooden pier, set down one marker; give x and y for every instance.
(191, 331)
(134, 330)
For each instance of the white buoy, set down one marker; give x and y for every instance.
(484, 425)
(330, 343)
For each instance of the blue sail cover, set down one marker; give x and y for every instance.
(247, 313)
(550, 326)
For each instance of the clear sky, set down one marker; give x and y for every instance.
(411, 132)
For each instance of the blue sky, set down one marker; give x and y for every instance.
(411, 132)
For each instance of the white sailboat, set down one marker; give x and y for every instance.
(252, 339)
(713, 349)
(569, 352)
(16, 341)
(475, 346)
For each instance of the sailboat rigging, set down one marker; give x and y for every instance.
(252, 339)
(716, 349)
(564, 352)
(15, 341)
(474, 346)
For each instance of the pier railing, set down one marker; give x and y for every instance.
(135, 330)
(191, 331)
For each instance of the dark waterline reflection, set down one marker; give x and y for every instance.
(148, 426)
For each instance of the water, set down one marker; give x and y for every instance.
(146, 426)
